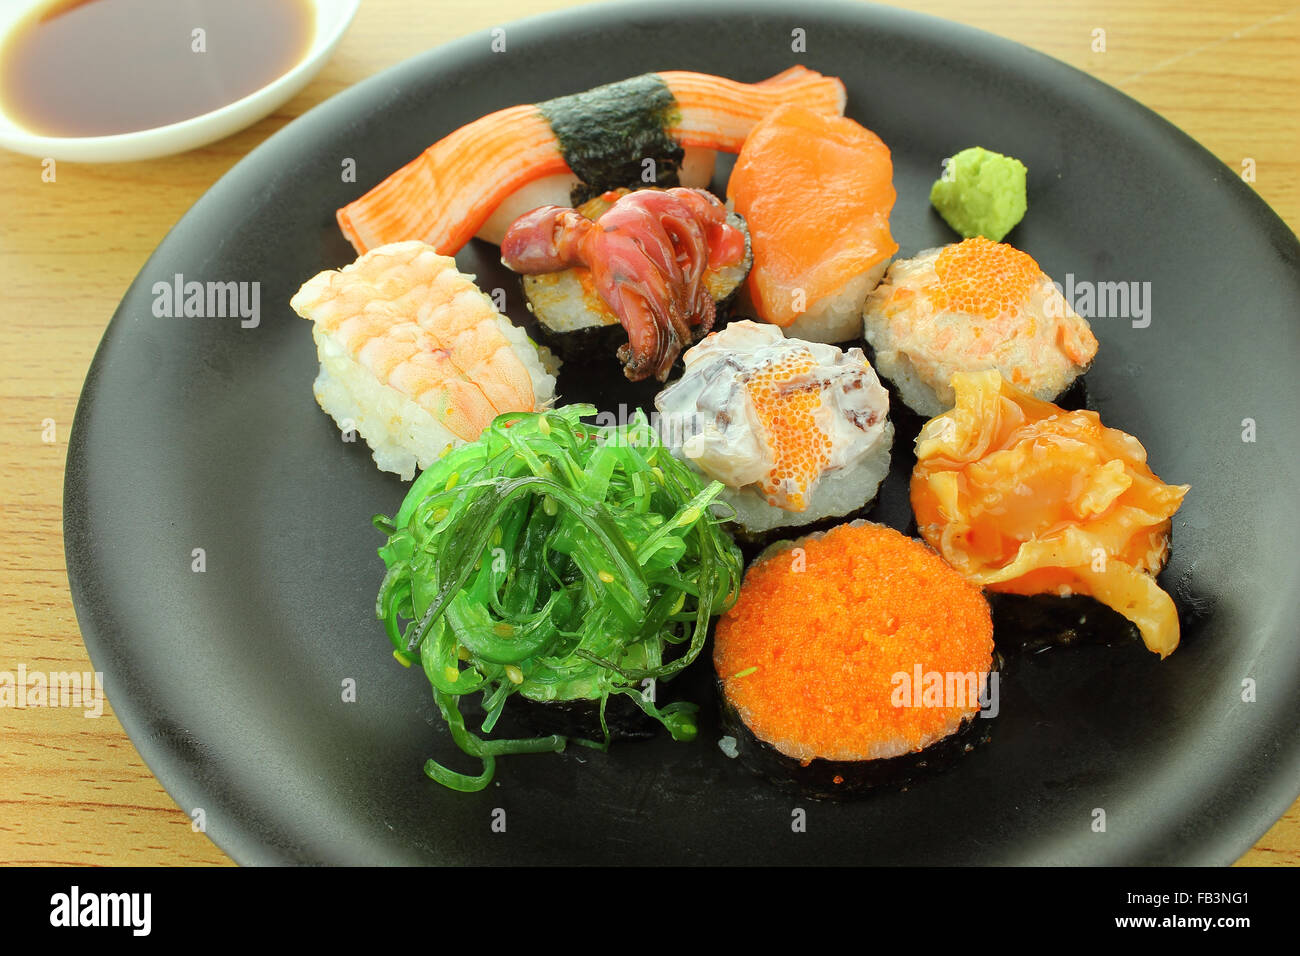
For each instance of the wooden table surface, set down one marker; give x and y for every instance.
(74, 790)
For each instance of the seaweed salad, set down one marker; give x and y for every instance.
(556, 560)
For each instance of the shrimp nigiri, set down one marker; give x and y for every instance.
(414, 357)
(483, 176)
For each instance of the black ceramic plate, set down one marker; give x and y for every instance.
(197, 433)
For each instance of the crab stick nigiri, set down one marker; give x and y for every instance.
(491, 171)
(816, 190)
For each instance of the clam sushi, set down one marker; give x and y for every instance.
(798, 432)
(968, 307)
(1024, 497)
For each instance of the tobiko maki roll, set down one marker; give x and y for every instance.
(854, 659)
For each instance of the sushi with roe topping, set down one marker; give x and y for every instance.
(853, 659)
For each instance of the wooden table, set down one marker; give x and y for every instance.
(74, 790)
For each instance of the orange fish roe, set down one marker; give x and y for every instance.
(981, 277)
(825, 635)
(801, 449)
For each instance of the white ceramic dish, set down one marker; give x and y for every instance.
(332, 19)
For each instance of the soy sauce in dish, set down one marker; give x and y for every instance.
(102, 67)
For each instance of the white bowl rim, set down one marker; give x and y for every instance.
(332, 18)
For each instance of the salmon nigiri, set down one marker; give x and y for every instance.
(481, 177)
(816, 191)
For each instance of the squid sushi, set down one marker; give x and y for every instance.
(797, 431)
(656, 262)
(968, 307)
(414, 357)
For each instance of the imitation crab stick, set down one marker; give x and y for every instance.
(596, 140)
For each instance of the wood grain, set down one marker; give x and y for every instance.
(73, 790)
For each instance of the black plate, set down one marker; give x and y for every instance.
(196, 433)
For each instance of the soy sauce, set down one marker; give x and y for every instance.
(101, 67)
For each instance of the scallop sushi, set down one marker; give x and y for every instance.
(816, 191)
(968, 307)
(854, 659)
(797, 431)
(414, 357)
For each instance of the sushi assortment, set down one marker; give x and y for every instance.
(556, 568)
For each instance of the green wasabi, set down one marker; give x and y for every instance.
(981, 193)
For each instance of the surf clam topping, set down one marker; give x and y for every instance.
(1022, 496)
(756, 408)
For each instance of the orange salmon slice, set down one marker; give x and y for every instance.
(816, 191)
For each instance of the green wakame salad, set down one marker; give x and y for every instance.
(557, 560)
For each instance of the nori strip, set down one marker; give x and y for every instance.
(607, 132)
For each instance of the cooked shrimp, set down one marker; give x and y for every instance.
(415, 355)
